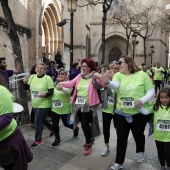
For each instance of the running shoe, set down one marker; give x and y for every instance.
(117, 166)
(105, 151)
(36, 144)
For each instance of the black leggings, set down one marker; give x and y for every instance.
(107, 117)
(157, 85)
(55, 120)
(123, 127)
(163, 149)
(86, 119)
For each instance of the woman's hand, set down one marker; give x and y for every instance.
(95, 75)
(42, 95)
(138, 104)
(25, 80)
(106, 77)
(59, 87)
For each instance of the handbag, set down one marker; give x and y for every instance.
(6, 157)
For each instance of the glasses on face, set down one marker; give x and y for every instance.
(84, 66)
(40, 68)
(120, 62)
(61, 74)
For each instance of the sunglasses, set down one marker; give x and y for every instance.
(120, 62)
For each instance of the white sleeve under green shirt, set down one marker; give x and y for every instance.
(162, 124)
(132, 87)
(37, 86)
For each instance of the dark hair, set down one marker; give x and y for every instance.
(32, 70)
(158, 102)
(2, 59)
(90, 64)
(131, 64)
(75, 64)
(50, 62)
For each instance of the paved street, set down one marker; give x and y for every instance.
(69, 154)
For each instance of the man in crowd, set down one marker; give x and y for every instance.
(8, 73)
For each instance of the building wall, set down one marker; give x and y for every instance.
(87, 26)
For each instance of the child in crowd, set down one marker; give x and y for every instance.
(162, 127)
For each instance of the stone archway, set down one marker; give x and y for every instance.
(50, 33)
(114, 54)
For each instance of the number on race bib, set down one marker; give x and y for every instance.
(163, 125)
(57, 104)
(127, 102)
(80, 100)
(35, 95)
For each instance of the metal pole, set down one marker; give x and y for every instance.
(151, 57)
(71, 38)
(133, 49)
(167, 60)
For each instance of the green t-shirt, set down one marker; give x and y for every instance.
(132, 87)
(148, 73)
(37, 86)
(158, 75)
(6, 106)
(82, 90)
(110, 104)
(6, 102)
(162, 124)
(61, 102)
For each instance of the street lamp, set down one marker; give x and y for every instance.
(71, 5)
(134, 42)
(152, 51)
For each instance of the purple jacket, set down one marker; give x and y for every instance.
(92, 91)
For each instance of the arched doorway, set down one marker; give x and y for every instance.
(50, 32)
(114, 54)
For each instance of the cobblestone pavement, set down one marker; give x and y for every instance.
(69, 154)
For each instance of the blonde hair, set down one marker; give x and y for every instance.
(42, 64)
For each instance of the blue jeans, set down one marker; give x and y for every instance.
(40, 121)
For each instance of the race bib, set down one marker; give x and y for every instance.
(57, 104)
(127, 102)
(163, 125)
(80, 100)
(35, 95)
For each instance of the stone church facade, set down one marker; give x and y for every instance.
(36, 22)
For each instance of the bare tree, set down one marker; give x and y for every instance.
(13, 36)
(106, 4)
(141, 19)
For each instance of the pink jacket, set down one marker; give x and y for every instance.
(92, 92)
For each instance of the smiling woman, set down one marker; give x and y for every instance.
(85, 100)
(61, 107)
(134, 90)
(41, 87)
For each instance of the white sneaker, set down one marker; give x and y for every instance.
(105, 151)
(117, 166)
(140, 157)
